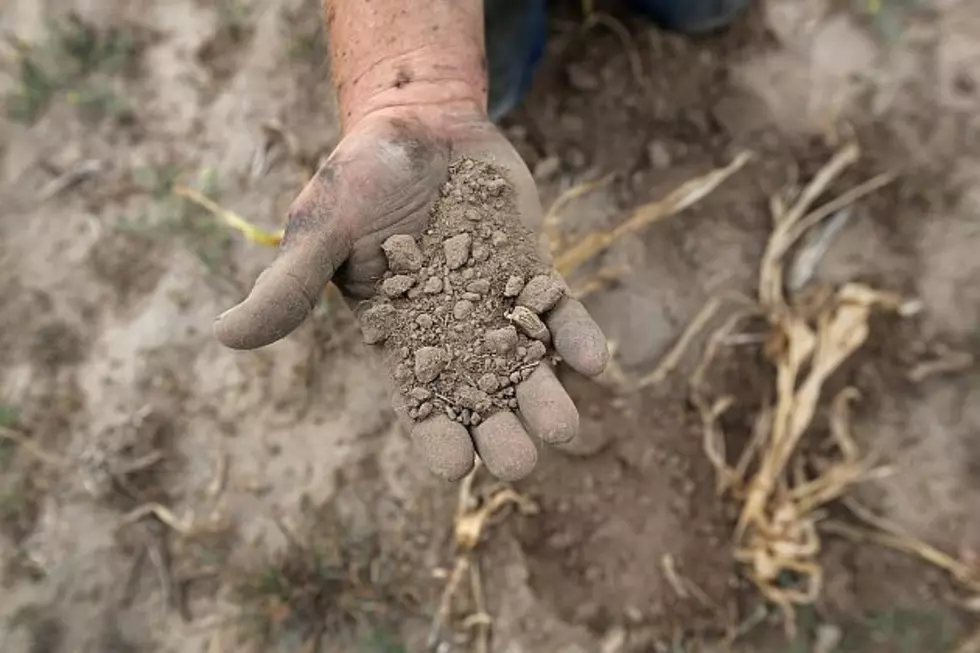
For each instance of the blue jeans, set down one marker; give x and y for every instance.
(516, 31)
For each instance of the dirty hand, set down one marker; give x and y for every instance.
(382, 180)
(412, 89)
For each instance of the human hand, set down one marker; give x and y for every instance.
(382, 180)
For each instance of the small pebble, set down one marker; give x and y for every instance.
(464, 416)
(509, 392)
(535, 351)
(414, 293)
(397, 285)
(413, 413)
(374, 323)
(404, 352)
(468, 274)
(503, 380)
(472, 215)
(457, 250)
(451, 413)
(424, 410)
(515, 377)
(472, 296)
(433, 286)
(540, 294)
(425, 321)
(512, 403)
(522, 351)
(502, 340)
(472, 398)
(498, 238)
(480, 286)
(403, 372)
(659, 155)
(462, 308)
(475, 419)
(481, 253)
(488, 383)
(514, 286)
(420, 394)
(429, 363)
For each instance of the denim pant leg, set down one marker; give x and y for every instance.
(516, 32)
(515, 36)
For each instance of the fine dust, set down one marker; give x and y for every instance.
(461, 327)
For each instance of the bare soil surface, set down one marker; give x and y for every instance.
(161, 493)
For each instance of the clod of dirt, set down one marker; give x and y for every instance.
(540, 294)
(515, 285)
(374, 323)
(460, 328)
(457, 250)
(403, 254)
(429, 363)
(397, 285)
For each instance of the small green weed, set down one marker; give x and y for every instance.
(903, 630)
(887, 17)
(8, 419)
(234, 20)
(74, 52)
(325, 584)
(303, 29)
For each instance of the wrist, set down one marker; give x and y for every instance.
(421, 56)
(437, 93)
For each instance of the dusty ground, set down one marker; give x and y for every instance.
(306, 521)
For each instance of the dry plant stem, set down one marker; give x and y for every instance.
(552, 219)
(771, 274)
(469, 522)
(599, 281)
(617, 28)
(680, 199)
(673, 358)
(894, 537)
(27, 445)
(949, 362)
(840, 333)
(230, 218)
(481, 618)
(446, 602)
(683, 586)
(161, 512)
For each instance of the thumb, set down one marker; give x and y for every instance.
(313, 247)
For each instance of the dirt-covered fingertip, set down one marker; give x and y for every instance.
(505, 447)
(577, 338)
(444, 446)
(274, 308)
(548, 411)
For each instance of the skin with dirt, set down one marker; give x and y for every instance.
(109, 286)
(458, 313)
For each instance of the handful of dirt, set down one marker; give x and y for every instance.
(458, 311)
